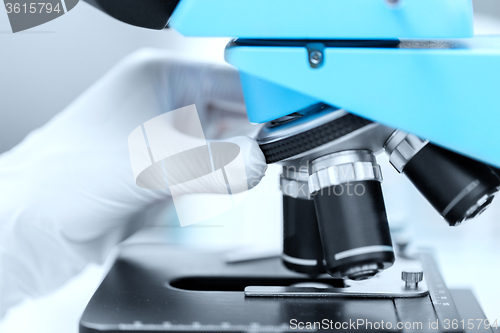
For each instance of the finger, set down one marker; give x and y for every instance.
(208, 85)
(237, 165)
(164, 158)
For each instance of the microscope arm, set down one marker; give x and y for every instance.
(443, 91)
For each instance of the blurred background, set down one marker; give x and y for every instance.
(42, 70)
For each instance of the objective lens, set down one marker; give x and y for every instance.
(302, 251)
(458, 187)
(351, 214)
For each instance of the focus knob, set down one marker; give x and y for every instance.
(412, 279)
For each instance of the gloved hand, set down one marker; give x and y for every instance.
(67, 192)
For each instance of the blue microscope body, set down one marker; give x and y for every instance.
(436, 80)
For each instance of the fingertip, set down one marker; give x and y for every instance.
(255, 162)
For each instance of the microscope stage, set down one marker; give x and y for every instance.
(155, 287)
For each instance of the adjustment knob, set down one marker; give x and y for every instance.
(412, 279)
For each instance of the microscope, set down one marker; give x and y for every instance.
(334, 83)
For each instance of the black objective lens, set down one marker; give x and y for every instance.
(302, 251)
(458, 187)
(351, 214)
(151, 14)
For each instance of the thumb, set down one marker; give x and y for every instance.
(222, 167)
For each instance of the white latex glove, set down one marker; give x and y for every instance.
(67, 192)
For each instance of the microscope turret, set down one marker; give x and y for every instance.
(328, 158)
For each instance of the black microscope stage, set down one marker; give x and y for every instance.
(160, 288)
